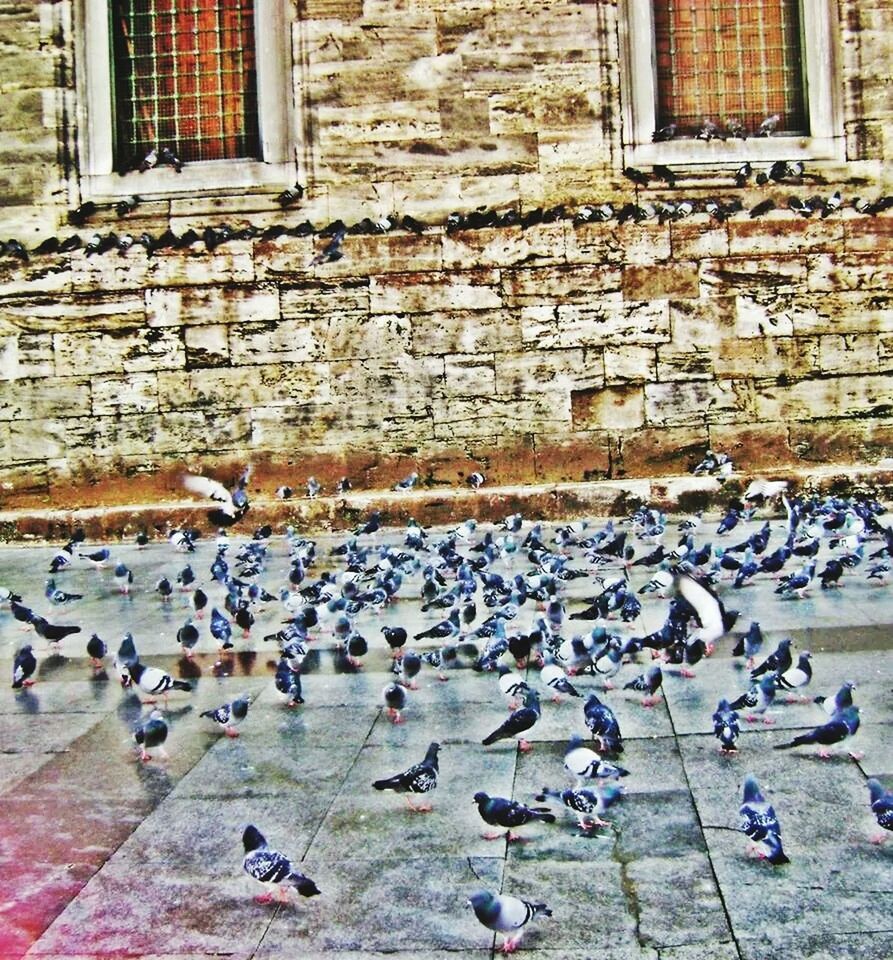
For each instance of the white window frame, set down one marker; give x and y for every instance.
(823, 94)
(277, 166)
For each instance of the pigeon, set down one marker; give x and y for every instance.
(586, 764)
(407, 669)
(53, 632)
(394, 697)
(153, 681)
(725, 727)
(499, 812)
(125, 658)
(123, 577)
(842, 725)
(232, 505)
(881, 806)
(23, 666)
(396, 637)
(777, 662)
(602, 724)
(759, 822)
(57, 596)
(796, 677)
(96, 649)
(151, 735)
(768, 125)
(505, 914)
(221, 629)
(648, 683)
(589, 805)
(445, 628)
(97, 557)
(164, 588)
(228, 715)
(407, 483)
(272, 868)
(749, 644)
(288, 681)
(842, 699)
(512, 685)
(556, 679)
(758, 699)
(518, 722)
(187, 637)
(419, 778)
(715, 621)
(475, 480)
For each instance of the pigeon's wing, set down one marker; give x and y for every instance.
(707, 606)
(268, 866)
(213, 489)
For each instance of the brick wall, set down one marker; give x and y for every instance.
(551, 352)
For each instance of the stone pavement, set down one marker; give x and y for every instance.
(102, 856)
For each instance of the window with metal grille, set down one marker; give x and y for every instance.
(722, 61)
(184, 79)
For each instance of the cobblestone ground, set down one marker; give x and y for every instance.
(104, 856)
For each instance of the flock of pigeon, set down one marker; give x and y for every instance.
(473, 583)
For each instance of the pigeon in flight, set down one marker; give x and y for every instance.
(232, 506)
(419, 778)
(506, 914)
(272, 868)
(499, 812)
(759, 822)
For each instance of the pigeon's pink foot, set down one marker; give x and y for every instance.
(28, 683)
(230, 732)
(768, 721)
(516, 838)
(493, 836)
(649, 701)
(688, 674)
(556, 698)
(711, 649)
(442, 678)
(511, 944)
(825, 754)
(750, 718)
(145, 757)
(655, 654)
(264, 898)
(877, 838)
(858, 755)
(422, 808)
(524, 746)
(609, 685)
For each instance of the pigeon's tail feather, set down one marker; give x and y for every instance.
(387, 784)
(611, 744)
(182, 685)
(540, 910)
(806, 738)
(304, 885)
(545, 815)
(492, 738)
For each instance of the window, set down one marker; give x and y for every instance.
(203, 82)
(693, 64)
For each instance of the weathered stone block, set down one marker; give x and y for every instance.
(89, 311)
(109, 271)
(697, 241)
(650, 452)
(51, 439)
(428, 292)
(551, 370)
(791, 235)
(869, 234)
(759, 446)
(675, 363)
(685, 403)
(133, 393)
(528, 286)
(749, 277)
(285, 341)
(267, 385)
(767, 357)
(842, 441)
(120, 351)
(611, 408)
(631, 364)
(677, 281)
(398, 379)
(826, 397)
(312, 298)
(464, 331)
(581, 457)
(356, 335)
(207, 345)
(469, 375)
(503, 246)
(189, 306)
(45, 399)
(846, 313)
(834, 272)
(631, 243)
(609, 321)
(374, 122)
(846, 354)
(755, 319)
(192, 268)
(459, 418)
(26, 355)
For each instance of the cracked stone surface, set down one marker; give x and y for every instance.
(102, 856)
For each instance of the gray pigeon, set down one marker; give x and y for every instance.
(506, 914)
(227, 715)
(272, 869)
(151, 735)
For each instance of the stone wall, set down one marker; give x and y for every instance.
(554, 351)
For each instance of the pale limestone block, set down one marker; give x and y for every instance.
(503, 246)
(54, 438)
(769, 275)
(629, 243)
(701, 324)
(461, 331)
(285, 341)
(539, 325)
(554, 371)
(399, 378)
(26, 355)
(45, 399)
(385, 254)
(612, 320)
(767, 357)
(207, 345)
(378, 335)
(513, 112)
(125, 351)
(754, 319)
(232, 264)
(373, 122)
(630, 364)
(685, 403)
(810, 399)
(835, 272)
(431, 199)
(286, 256)
(846, 312)
(697, 241)
(857, 352)
(523, 286)
(308, 299)
(791, 235)
(468, 375)
(109, 271)
(426, 293)
(38, 278)
(181, 431)
(688, 363)
(476, 417)
(188, 306)
(267, 385)
(92, 311)
(133, 393)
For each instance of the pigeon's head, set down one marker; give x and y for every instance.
(252, 838)
(875, 789)
(752, 790)
(484, 904)
(480, 797)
